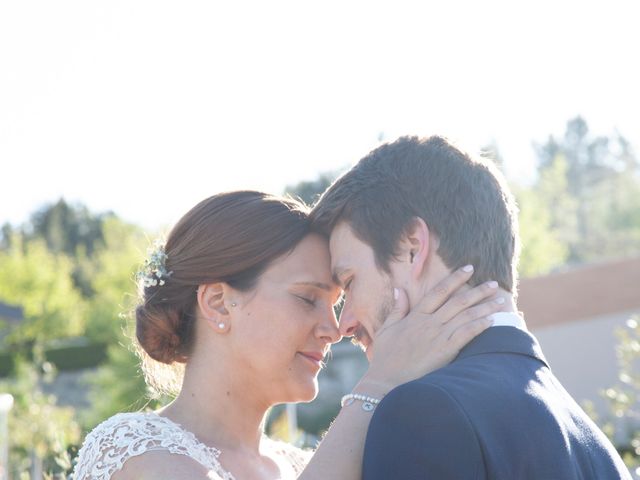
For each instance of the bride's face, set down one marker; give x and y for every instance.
(283, 328)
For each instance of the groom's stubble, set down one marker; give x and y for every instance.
(362, 335)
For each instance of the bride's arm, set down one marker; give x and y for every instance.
(431, 336)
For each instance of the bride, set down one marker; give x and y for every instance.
(241, 296)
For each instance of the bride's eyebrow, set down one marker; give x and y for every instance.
(320, 285)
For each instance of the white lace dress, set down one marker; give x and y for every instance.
(127, 435)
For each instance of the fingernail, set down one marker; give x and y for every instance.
(492, 284)
(396, 293)
(500, 300)
(467, 268)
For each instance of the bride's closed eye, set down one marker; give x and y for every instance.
(308, 301)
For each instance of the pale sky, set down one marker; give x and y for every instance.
(147, 107)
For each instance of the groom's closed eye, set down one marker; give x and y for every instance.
(338, 274)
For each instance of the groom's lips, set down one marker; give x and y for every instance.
(361, 338)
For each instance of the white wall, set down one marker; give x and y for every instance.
(582, 355)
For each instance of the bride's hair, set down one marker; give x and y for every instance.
(230, 237)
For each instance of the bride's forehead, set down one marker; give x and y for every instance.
(311, 249)
(314, 267)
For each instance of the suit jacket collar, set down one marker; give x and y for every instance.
(503, 340)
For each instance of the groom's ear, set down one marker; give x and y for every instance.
(415, 246)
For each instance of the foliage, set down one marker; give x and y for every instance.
(69, 230)
(41, 431)
(309, 191)
(65, 228)
(622, 425)
(114, 279)
(591, 187)
(118, 386)
(41, 283)
(542, 248)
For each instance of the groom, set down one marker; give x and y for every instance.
(405, 216)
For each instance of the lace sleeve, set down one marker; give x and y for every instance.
(126, 435)
(294, 456)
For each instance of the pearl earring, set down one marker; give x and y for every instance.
(234, 304)
(221, 325)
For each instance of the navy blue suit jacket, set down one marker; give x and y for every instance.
(496, 412)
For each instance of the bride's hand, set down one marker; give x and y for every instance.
(409, 346)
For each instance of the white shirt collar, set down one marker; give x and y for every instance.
(508, 319)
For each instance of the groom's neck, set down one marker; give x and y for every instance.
(438, 273)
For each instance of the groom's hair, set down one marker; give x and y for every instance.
(463, 200)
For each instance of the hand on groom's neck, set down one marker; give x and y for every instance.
(437, 271)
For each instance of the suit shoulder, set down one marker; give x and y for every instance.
(413, 396)
(417, 426)
(432, 387)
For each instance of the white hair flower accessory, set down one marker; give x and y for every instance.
(154, 270)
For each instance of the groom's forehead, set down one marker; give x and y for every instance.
(341, 241)
(347, 249)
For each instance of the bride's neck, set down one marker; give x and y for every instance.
(218, 408)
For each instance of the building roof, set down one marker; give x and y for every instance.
(10, 312)
(581, 293)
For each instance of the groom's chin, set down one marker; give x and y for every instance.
(368, 351)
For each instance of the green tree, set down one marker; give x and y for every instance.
(591, 185)
(113, 281)
(542, 249)
(41, 430)
(39, 281)
(71, 230)
(66, 227)
(309, 191)
(622, 425)
(118, 384)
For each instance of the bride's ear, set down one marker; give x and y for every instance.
(214, 303)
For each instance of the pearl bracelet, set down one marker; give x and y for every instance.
(368, 403)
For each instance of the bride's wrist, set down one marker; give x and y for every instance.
(373, 386)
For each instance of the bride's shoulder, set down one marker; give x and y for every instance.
(115, 440)
(124, 429)
(104, 449)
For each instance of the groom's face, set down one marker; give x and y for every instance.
(368, 291)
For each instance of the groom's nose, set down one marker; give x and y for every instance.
(347, 322)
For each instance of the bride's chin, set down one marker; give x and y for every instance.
(306, 392)
(311, 397)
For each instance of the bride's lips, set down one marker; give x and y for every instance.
(314, 357)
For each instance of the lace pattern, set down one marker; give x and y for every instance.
(127, 435)
(295, 458)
